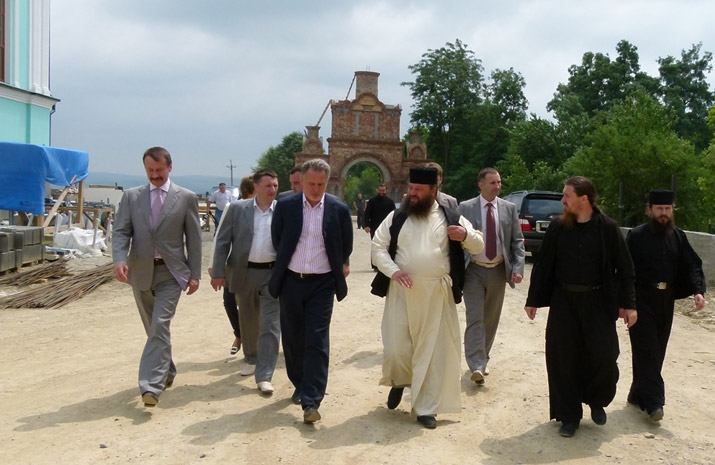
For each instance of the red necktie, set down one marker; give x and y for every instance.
(491, 250)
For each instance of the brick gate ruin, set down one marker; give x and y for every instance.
(365, 130)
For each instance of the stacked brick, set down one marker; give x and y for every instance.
(21, 245)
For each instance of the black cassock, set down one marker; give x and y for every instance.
(584, 274)
(667, 268)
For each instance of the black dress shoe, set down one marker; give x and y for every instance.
(311, 415)
(656, 414)
(295, 397)
(568, 428)
(428, 421)
(598, 415)
(394, 398)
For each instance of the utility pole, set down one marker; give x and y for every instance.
(231, 166)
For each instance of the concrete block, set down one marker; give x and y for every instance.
(19, 241)
(5, 242)
(7, 261)
(32, 253)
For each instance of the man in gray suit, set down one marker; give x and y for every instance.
(443, 199)
(155, 224)
(243, 262)
(501, 262)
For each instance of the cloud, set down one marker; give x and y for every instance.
(227, 79)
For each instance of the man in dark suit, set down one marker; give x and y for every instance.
(501, 262)
(313, 237)
(155, 224)
(296, 183)
(243, 262)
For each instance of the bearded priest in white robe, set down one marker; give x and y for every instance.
(420, 327)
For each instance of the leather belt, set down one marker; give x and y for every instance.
(580, 287)
(261, 265)
(307, 275)
(158, 261)
(487, 265)
(660, 286)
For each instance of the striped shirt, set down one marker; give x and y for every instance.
(310, 255)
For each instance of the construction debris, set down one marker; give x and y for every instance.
(60, 292)
(54, 270)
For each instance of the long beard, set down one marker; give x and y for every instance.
(661, 228)
(421, 209)
(568, 219)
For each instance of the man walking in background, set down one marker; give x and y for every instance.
(488, 272)
(157, 249)
(313, 237)
(377, 210)
(222, 197)
(296, 183)
(442, 198)
(667, 268)
(243, 262)
(359, 205)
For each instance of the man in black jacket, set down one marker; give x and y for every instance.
(667, 268)
(585, 274)
(377, 210)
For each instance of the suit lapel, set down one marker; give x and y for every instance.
(144, 205)
(248, 213)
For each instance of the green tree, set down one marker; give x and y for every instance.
(448, 82)
(686, 91)
(281, 158)
(635, 144)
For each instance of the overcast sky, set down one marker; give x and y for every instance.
(220, 80)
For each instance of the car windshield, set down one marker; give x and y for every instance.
(542, 207)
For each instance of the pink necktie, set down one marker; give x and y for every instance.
(491, 250)
(156, 207)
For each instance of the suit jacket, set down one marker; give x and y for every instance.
(287, 226)
(233, 244)
(446, 200)
(177, 236)
(512, 239)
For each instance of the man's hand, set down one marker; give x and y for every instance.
(629, 315)
(403, 279)
(367, 229)
(456, 232)
(193, 286)
(530, 312)
(699, 302)
(516, 278)
(120, 272)
(346, 270)
(218, 283)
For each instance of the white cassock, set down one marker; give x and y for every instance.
(420, 327)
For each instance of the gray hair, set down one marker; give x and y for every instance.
(315, 164)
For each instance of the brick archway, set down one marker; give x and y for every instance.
(365, 130)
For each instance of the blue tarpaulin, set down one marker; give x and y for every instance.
(24, 169)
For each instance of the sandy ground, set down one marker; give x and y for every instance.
(68, 393)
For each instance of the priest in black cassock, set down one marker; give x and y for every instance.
(667, 268)
(585, 275)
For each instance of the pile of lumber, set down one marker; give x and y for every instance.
(61, 291)
(53, 270)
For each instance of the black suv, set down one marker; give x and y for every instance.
(536, 209)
